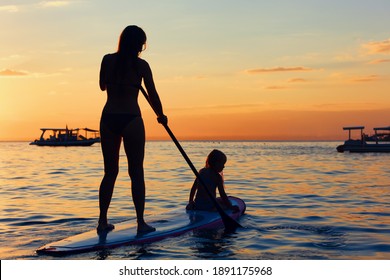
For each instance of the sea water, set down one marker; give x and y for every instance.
(304, 200)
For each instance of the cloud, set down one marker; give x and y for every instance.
(11, 57)
(297, 80)
(378, 61)
(347, 78)
(275, 87)
(380, 47)
(9, 8)
(17, 73)
(39, 5)
(48, 4)
(8, 72)
(278, 69)
(350, 106)
(370, 78)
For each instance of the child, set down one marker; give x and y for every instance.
(212, 177)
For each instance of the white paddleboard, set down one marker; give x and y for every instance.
(168, 224)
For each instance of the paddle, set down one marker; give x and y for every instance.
(229, 223)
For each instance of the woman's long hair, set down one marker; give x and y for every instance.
(131, 44)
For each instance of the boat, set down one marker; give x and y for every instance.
(67, 137)
(379, 142)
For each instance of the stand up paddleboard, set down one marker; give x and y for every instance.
(169, 224)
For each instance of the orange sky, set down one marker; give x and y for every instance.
(253, 71)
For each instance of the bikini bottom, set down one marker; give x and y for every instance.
(117, 122)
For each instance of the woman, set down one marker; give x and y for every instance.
(121, 74)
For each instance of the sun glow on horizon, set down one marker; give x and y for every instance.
(297, 73)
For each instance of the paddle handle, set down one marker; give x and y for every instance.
(190, 164)
(173, 137)
(230, 224)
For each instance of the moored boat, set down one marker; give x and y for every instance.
(379, 142)
(67, 137)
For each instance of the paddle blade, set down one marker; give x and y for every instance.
(230, 224)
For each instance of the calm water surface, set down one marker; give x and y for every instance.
(304, 200)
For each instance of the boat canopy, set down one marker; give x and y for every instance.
(89, 129)
(382, 128)
(55, 129)
(70, 129)
(353, 127)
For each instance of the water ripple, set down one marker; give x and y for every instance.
(42, 221)
(304, 200)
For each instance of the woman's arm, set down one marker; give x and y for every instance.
(154, 98)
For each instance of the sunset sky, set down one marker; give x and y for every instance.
(265, 70)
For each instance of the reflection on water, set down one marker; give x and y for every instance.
(304, 200)
(210, 243)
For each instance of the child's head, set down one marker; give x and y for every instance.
(216, 160)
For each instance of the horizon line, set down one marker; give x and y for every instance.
(218, 140)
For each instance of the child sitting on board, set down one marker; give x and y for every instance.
(212, 176)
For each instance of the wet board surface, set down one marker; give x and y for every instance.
(167, 224)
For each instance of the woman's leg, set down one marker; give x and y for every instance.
(110, 144)
(134, 143)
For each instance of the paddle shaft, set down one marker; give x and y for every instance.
(229, 223)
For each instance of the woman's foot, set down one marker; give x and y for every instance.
(145, 228)
(104, 227)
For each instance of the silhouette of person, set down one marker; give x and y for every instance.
(121, 74)
(212, 176)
